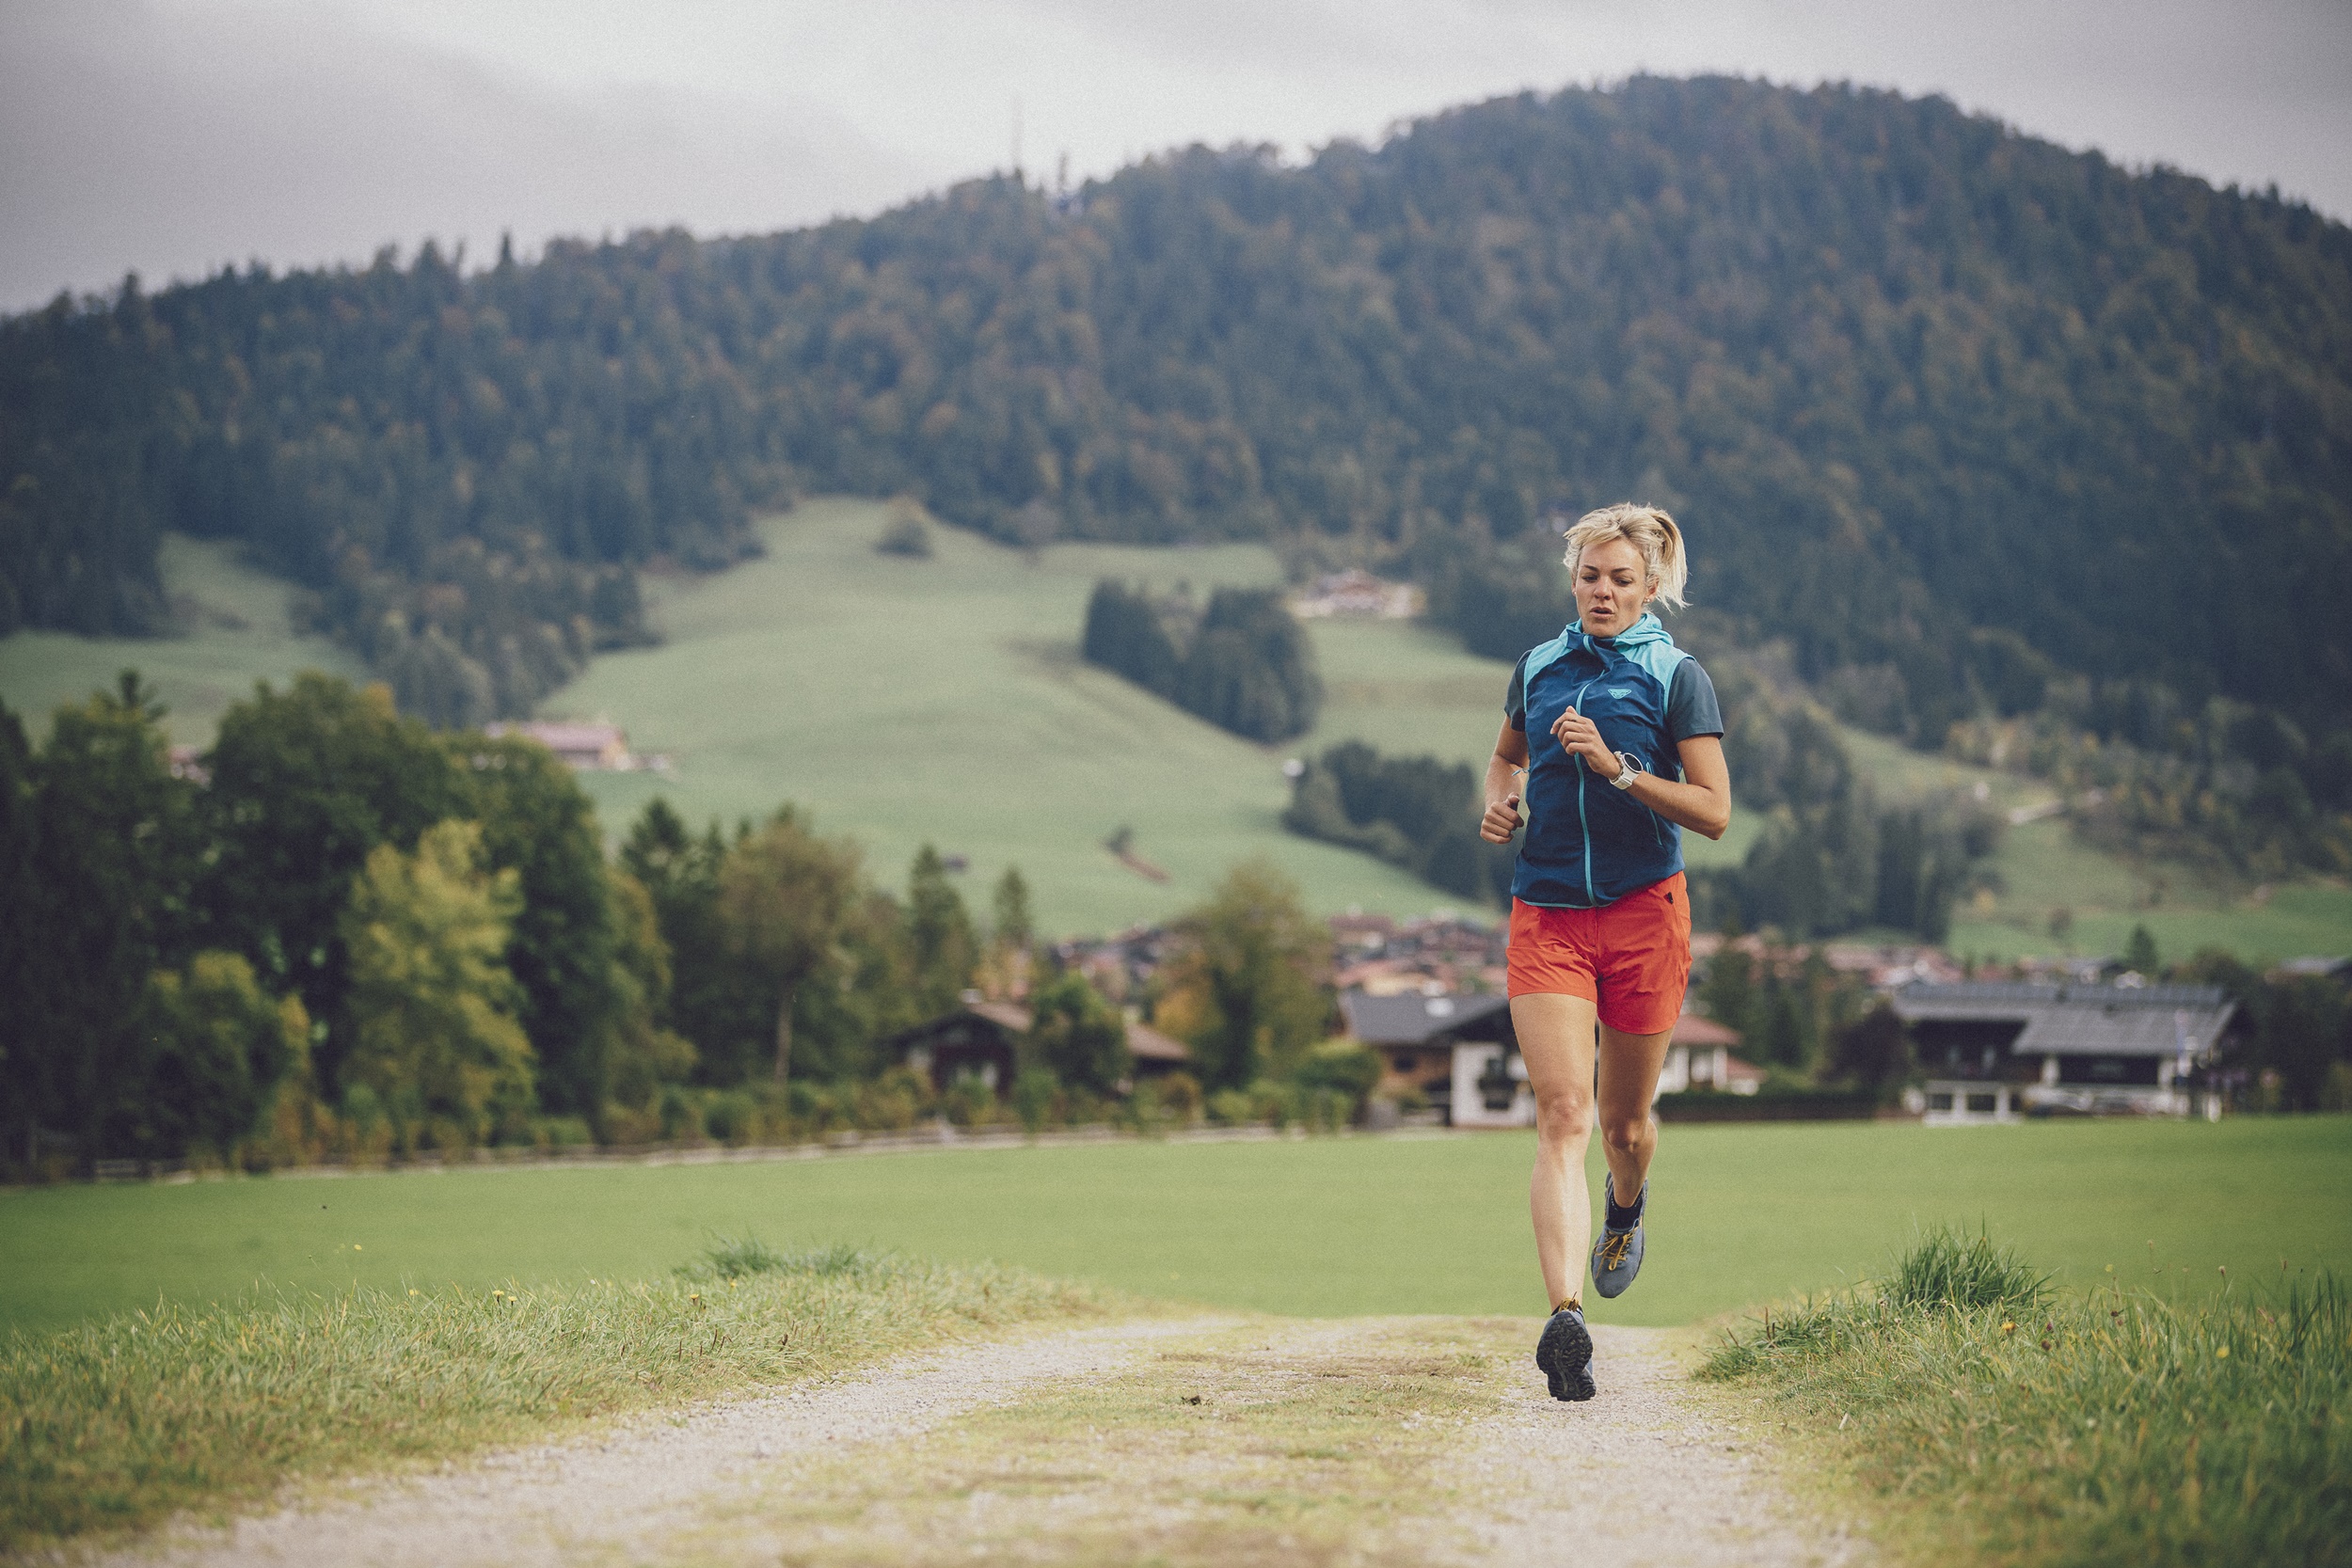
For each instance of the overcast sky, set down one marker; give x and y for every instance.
(171, 135)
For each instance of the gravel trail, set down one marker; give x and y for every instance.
(1191, 1462)
(1647, 1475)
(624, 1493)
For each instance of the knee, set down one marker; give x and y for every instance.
(1563, 1116)
(1630, 1134)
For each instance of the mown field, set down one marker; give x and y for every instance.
(943, 701)
(1323, 1226)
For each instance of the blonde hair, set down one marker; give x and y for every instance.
(1648, 529)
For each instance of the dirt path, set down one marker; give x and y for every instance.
(1201, 1441)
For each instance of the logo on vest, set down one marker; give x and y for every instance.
(1621, 691)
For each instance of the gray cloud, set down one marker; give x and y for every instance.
(170, 135)
(170, 146)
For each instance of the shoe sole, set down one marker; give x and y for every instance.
(1564, 1356)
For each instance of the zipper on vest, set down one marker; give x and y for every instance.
(1584, 777)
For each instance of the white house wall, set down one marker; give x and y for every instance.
(1469, 1103)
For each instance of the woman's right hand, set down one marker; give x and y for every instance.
(1501, 821)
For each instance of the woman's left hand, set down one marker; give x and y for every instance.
(1578, 736)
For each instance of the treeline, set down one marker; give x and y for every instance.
(2220, 785)
(1244, 664)
(342, 934)
(1807, 1024)
(1832, 857)
(341, 931)
(1418, 812)
(1905, 374)
(2289, 1047)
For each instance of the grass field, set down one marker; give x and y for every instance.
(942, 700)
(117, 1422)
(238, 632)
(1327, 1227)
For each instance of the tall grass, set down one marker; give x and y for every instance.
(2010, 1425)
(121, 1421)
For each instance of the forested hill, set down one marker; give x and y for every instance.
(1900, 371)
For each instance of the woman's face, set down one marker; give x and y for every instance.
(1611, 587)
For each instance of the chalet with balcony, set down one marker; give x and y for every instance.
(1995, 1052)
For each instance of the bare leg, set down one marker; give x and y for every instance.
(1629, 1065)
(1556, 1041)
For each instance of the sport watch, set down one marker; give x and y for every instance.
(1629, 768)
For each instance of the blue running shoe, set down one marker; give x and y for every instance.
(1565, 1354)
(1617, 1255)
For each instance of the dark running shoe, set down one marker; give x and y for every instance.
(1617, 1255)
(1565, 1354)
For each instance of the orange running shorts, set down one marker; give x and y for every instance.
(1632, 957)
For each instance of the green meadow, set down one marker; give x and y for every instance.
(238, 630)
(942, 700)
(1316, 1227)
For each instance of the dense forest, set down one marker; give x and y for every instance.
(1963, 417)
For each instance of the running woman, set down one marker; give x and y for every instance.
(1618, 737)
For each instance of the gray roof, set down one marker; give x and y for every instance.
(2081, 1021)
(1413, 1019)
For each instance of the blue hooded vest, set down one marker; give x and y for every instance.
(1588, 843)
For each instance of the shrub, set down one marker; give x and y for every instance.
(732, 1116)
(1180, 1096)
(1143, 1111)
(680, 1114)
(1335, 1079)
(552, 1134)
(818, 1108)
(626, 1128)
(1232, 1108)
(894, 1101)
(907, 534)
(969, 1103)
(1036, 1095)
(1277, 1104)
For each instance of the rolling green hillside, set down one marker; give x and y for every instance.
(787, 677)
(770, 684)
(236, 630)
(944, 701)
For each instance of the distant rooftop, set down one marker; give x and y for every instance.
(2079, 1020)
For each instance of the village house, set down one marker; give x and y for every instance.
(1699, 1059)
(1357, 594)
(588, 748)
(981, 1040)
(1996, 1051)
(1460, 1054)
